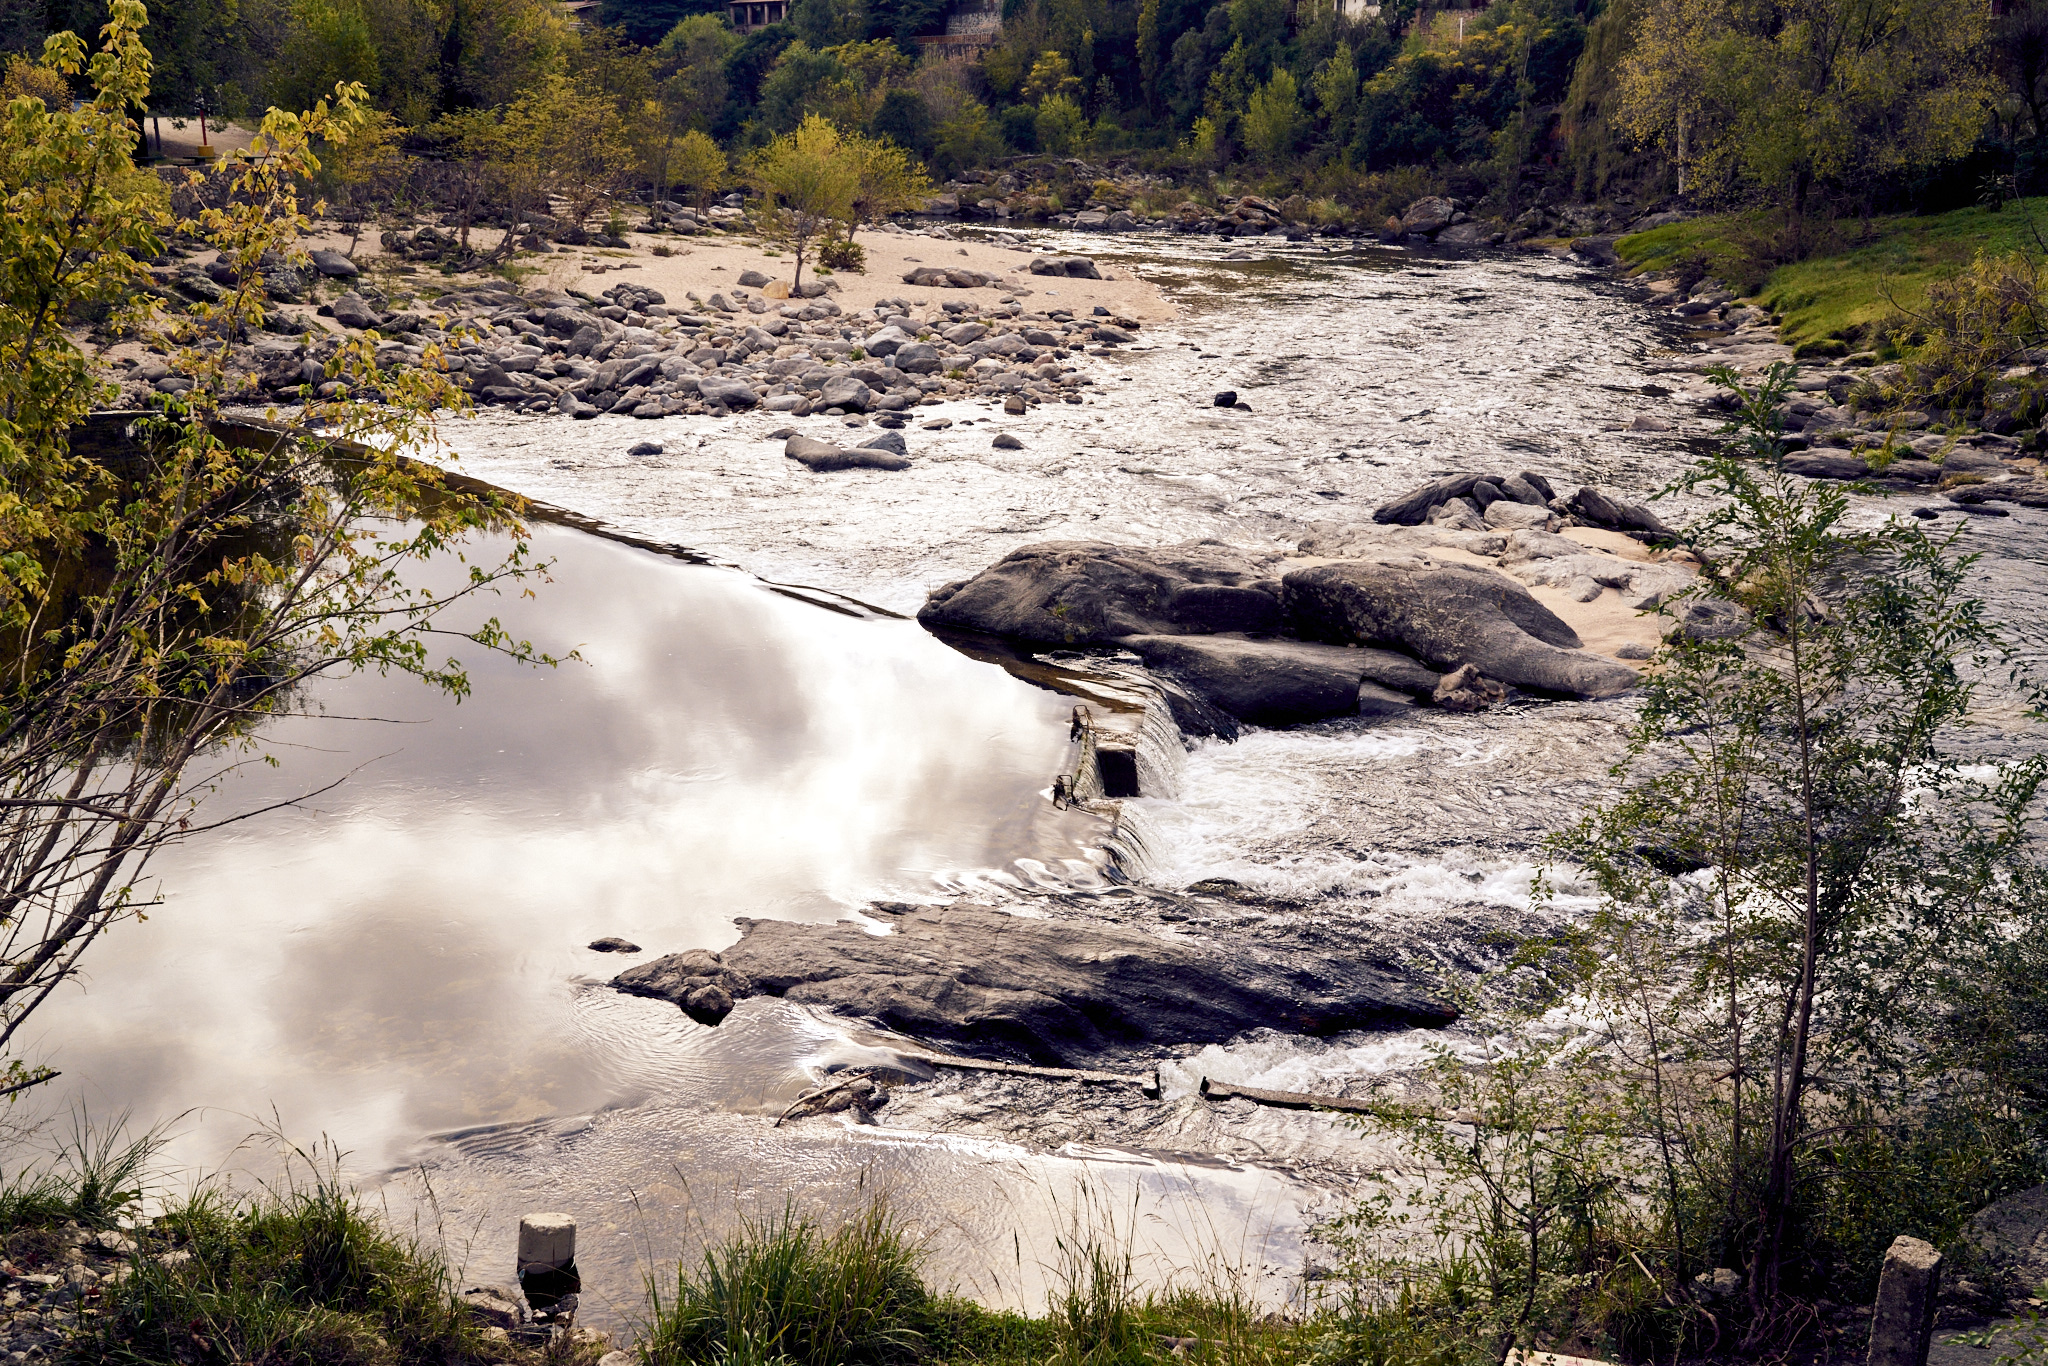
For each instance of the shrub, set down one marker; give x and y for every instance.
(843, 253)
(1975, 324)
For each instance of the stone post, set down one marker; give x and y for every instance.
(547, 1242)
(1902, 1327)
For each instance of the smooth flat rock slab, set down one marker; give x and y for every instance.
(1092, 593)
(1056, 993)
(1448, 615)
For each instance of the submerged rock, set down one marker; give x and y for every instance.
(699, 982)
(1278, 682)
(1052, 992)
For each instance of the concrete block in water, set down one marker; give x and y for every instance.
(1902, 1327)
(547, 1242)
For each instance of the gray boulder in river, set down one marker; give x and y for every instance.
(1271, 682)
(824, 457)
(1448, 615)
(1091, 593)
(1046, 991)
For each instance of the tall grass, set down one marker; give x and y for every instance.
(783, 1289)
(95, 1177)
(302, 1271)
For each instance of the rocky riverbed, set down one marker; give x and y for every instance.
(1403, 420)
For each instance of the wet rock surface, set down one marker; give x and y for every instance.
(1091, 593)
(1010, 987)
(1278, 682)
(1447, 616)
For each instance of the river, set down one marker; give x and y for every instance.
(400, 965)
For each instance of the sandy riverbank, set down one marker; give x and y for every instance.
(705, 264)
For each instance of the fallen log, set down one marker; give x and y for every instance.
(1285, 1100)
(1146, 1082)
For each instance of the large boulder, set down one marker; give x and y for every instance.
(846, 392)
(1278, 682)
(729, 393)
(823, 457)
(1412, 508)
(1428, 216)
(918, 358)
(1050, 992)
(333, 264)
(885, 341)
(352, 310)
(1448, 615)
(1603, 510)
(1091, 593)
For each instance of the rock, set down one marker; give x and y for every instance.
(964, 334)
(1092, 593)
(1226, 399)
(494, 1306)
(1634, 649)
(2012, 1234)
(918, 358)
(752, 279)
(644, 448)
(1412, 508)
(1826, 465)
(679, 978)
(614, 944)
(1268, 681)
(1594, 506)
(1707, 619)
(1428, 216)
(1466, 689)
(1598, 250)
(1014, 405)
(732, 393)
(892, 442)
(333, 264)
(823, 457)
(1448, 615)
(1061, 994)
(886, 342)
(351, 310)
(1468, 234)
(1005, 442)
(1506, 514)
(846, 392)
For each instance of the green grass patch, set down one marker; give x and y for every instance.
(1862, 276)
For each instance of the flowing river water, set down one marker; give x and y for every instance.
(400, 964)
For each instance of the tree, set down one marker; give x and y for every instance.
(1798, 94)
(645, 21)
(1274, 119)
(1061, 126)
(329, 44)
(699, 163)
(1805, 878)
(887, 180)
(691, 61)
(807, 181)
(154, 613)
(1336, 87)
(361, 169)
(905, 119)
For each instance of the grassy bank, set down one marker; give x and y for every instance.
(1862, 274)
